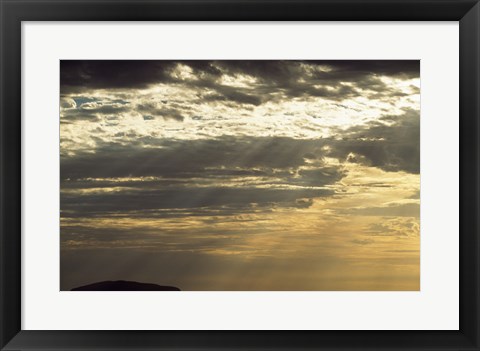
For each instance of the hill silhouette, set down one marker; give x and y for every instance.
(123, 285)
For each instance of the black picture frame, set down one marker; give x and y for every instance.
(13, 12)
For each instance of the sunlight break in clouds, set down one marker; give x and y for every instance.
(241, 175)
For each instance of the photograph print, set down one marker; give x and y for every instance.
(239, 175)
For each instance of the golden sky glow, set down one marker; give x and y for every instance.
(241, 175)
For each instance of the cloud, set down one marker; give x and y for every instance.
(336, 80)
(397, 227)
(283, 72)
(195, 174)
(154, 109)
(91, 109)
(320, 176)
(392, 143)
(397, 210)
(234, 96)
(297, 99)
(186, 158)
(187, 198)
(114, 74)
(362, 241)
(237, 170)
(66, 102)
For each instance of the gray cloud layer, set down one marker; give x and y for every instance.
(266, 170)
(336, 80)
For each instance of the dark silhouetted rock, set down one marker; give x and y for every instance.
(122, 285)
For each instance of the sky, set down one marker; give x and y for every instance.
(241, 175)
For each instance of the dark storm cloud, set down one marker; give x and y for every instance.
(102, 74)
(184, 158)
(320, 176)
(202, 213)
(172, 213)
(392, 147)
(88, 183)
(288, 78)
(234, 96)
(297, 78)
(189, 174)
(394, 68)
(126, 74)
(282, 71)
(154, 110)
(191, 197)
